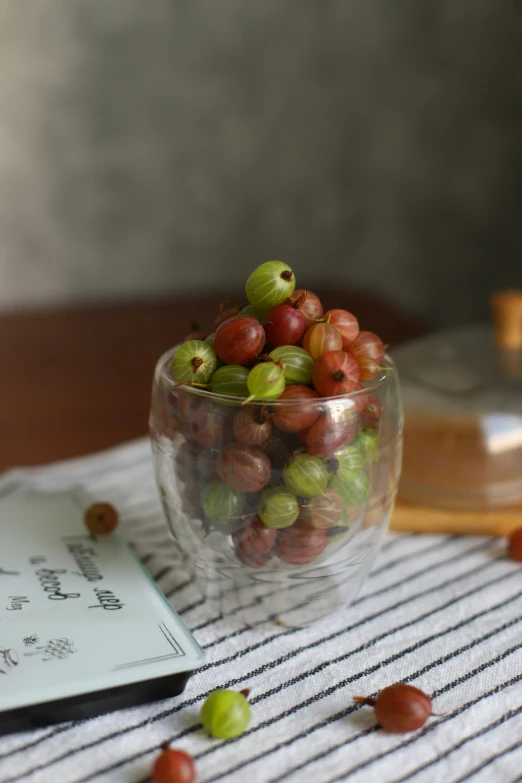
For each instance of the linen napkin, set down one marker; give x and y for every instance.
(443, 613)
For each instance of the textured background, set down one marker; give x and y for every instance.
(165, 145)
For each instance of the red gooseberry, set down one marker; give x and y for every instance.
(294, 418)
(208, 426)
(346, 323)
(224, 315)
(331, 433)
(285, 323)
(244, 468)
(312, 309)
(254, 543)
(515, 544)
(174, 766)
(335, 373)
(400, 708)
(321, 338)
(369, 346)
(300, 544)
(368, 368)
(239, 339)
(252, 426)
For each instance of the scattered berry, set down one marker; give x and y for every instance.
(101, 518)
(174, 766)
(400, 708)
(515, 544)
(225, 714)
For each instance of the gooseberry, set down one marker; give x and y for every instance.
(101, 518)
(368, 368)
(254, 543)
(225, 714)
(224, 315)
(321, 338)
(335, 373)
(285, 323)
(306, 475)
(325, 510)
(209, 425)
(367, 345)
(371, 412)
(353, 486)
(515, 544)
(400, 708)
(301, 415)
(230, 380)
(174, 766)
(312, 309)
(239, 339)
(277, 507)
(221, 503)
(270, 284)
(331, 432)
(252, 425)
(345, 323)
(265, 381)
(348, 460)
(259, 315)
(296, 363)
(368, 445)
(300, 544)
(245, 468)
(194, 362)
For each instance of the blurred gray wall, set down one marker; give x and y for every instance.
(159, 145)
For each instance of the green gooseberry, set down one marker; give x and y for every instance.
(221, 503)
(194, 362)
(210, 339)
(349, 459)
(225, 714)
(296, 362)
(266, 381)
(230, 380)
(259, 315)
(277, 507)
(270, 284)
(306, 475)
(353, 487)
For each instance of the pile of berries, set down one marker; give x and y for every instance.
(282, 478)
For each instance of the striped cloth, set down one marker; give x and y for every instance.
(441, 612)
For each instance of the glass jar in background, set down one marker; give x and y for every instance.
(462, 395)
(279, 508)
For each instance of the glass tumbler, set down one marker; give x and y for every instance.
(278, 507)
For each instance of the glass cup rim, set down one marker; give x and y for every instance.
(164, 364)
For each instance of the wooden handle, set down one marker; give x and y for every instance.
(507, 318)
(420, 519)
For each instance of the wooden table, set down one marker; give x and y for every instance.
(74, 381)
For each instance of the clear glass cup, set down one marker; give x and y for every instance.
(279, 508)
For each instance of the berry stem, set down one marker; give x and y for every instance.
(300, 301)
(245, 692)
(339, 375)
(286, 275)
(365, 700)
(197, 361)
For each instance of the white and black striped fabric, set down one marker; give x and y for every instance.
(441, 612)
